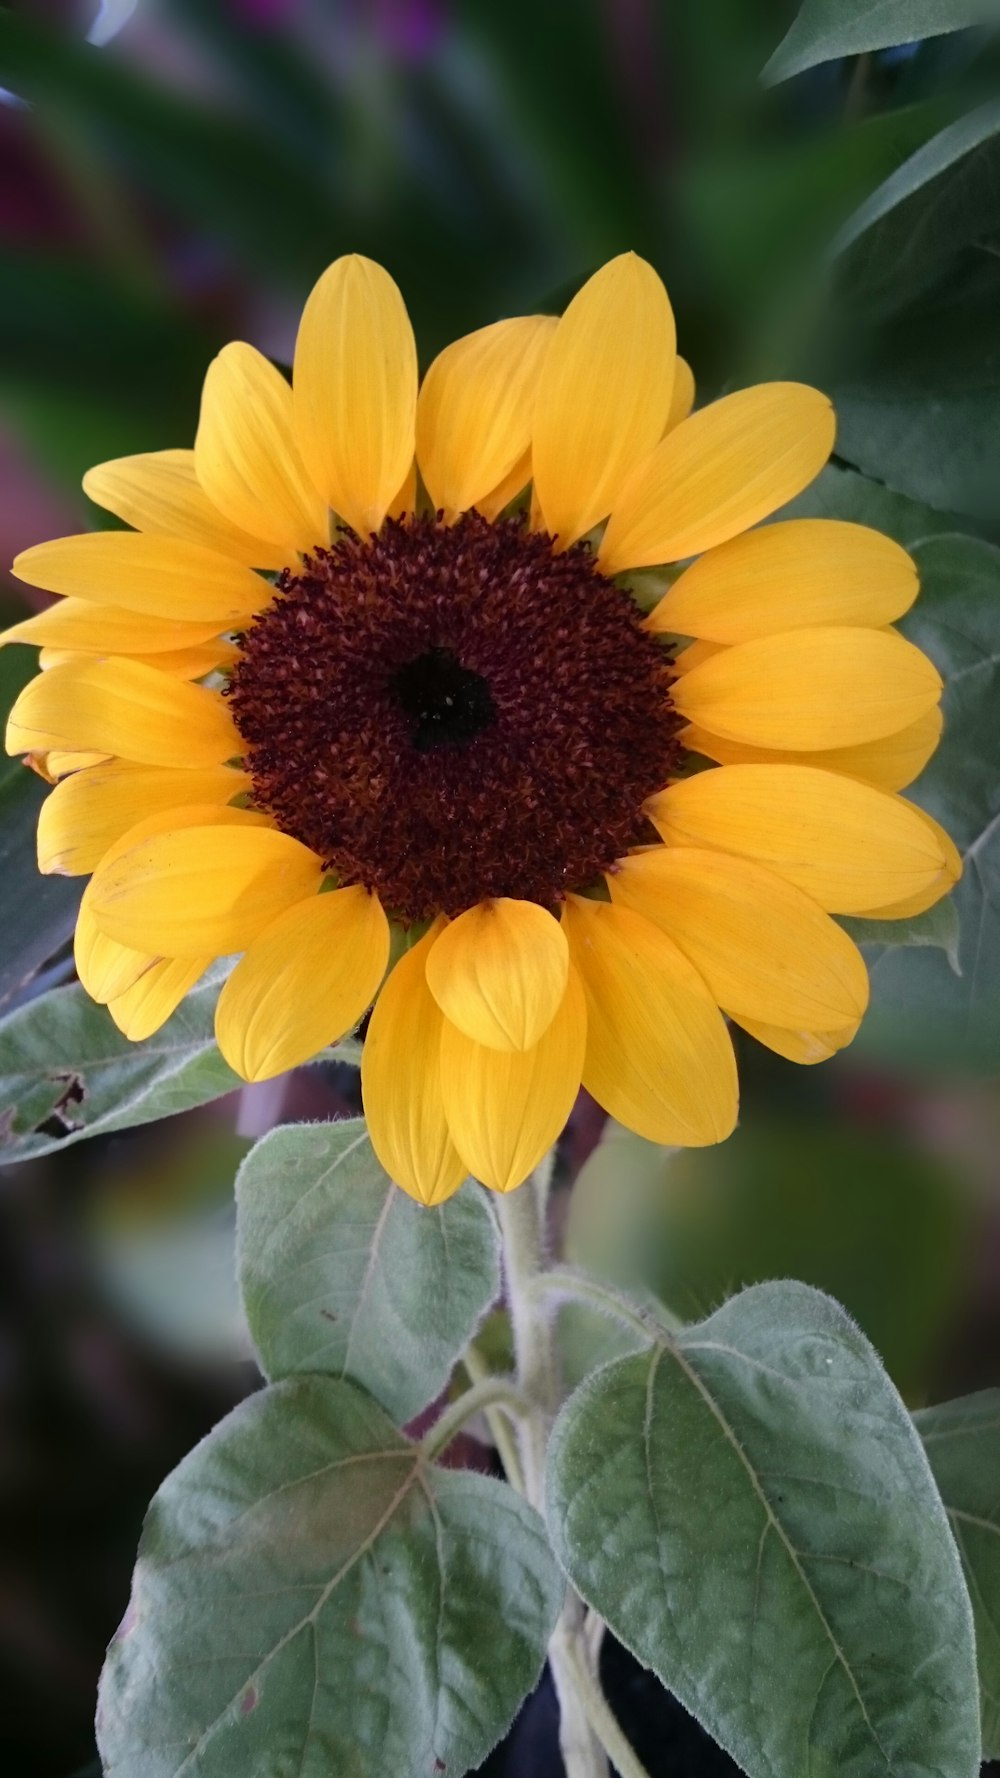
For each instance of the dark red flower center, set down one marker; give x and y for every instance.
(450, 713)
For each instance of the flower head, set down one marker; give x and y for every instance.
(429, 757)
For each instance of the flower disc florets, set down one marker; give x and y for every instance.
(448, 713)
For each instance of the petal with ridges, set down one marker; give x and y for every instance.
(658, 1057)
(505, 1109)
(603, 395)
(907, 906)
(492, 505)
(184, 663)
(159, 491)
(475, 410)
(401, 1083)
(889, 763)
(106, 969)
(87, 812)
(355, 384)
(151, 1000)
(202, 889)
(850, 846)
(764, 949)
(682, 396)
(58, 762)
(163, 576)
(787, 577)
(804, 1047)
(124, 707)
(811, 688)
(717, 473)
(308, 978)
(106, 629)
(405, 501)
(498, 972)
(246, 455)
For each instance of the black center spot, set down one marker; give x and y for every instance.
(446, 704)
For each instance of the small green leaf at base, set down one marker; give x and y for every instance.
(344, 1274)
(962, 1441)
(750, 1510)
(312, 1599)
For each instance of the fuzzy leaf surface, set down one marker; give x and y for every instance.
(749, 1508)
(962, 1441)
(342, 1273)
(312, 1597)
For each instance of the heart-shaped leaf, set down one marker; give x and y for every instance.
(749, 1508)
(313, 1598)
(343, 1273)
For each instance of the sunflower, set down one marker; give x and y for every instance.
(430, 756)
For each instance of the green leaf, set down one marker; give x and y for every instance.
(962, 1441)
(342, 1272)
(938, 927)
(918, 398)
(882, 1227)
(921, 1009)
(843, 493)
(312, 1598)
(942, 199)
(750, 1510)
(827, 29)
(67, 1072)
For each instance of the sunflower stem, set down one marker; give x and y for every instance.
(490, 1392)
(522, 1218)
(566, 1284)
(501, 1432)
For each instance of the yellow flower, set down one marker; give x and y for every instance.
(445, 733)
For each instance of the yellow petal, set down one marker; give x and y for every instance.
(184, 663)
(162, 576)
(201, 889)
(811, 688)
(890, 763)
(87, 812)
(159, 491)
(475, 410)
(59, 762)
(693, 655)
(356, 390)
(764, 949)
(405, 501)
(492, 505)
(907, 906)
(658, 1058)
(850, 846)
(603, 394)
(499, 971)
(682, 398)
(806, 1047)
(151, 1000)
(788, 577)
(718, 473)
(505, 1109)
(308, 978)
(401, 1083)
(246, 455)
(123, 707)
(106, 629)
(106, 969)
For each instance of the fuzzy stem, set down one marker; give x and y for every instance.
(491, 1392)
(522, 1225)
(501, 1433)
